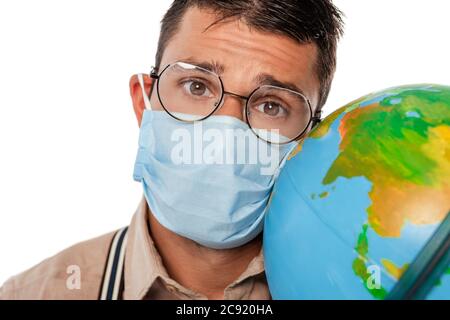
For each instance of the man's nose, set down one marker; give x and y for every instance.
(232, 106)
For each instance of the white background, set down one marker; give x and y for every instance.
(68, 135)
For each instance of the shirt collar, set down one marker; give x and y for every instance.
(143, 264)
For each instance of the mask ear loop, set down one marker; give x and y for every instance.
(316, 119)
(285, 158)
(144, 95)
(278, 171)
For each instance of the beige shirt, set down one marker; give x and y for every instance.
(145, 276)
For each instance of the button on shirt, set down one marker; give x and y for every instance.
(145, 276)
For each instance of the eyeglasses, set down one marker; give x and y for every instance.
(191, 93)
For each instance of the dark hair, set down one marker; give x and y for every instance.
(305, 21)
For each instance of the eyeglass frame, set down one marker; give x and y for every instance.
(313, 119)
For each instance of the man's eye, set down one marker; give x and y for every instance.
(271, 109)
(196, 88)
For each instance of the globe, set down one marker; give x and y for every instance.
(360, 197)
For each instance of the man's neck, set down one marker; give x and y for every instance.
(201, 269)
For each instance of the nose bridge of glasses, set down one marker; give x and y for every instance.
(235, 95)
(238, 112)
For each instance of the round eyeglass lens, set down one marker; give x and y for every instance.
(188, 92)
(278, 115)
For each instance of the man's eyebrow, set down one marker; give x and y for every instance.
(267, 79)
(260, 79)
(212, 65)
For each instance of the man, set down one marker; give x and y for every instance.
(197, 233)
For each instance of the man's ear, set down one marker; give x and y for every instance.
(136, 94)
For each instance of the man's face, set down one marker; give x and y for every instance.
(244, 56)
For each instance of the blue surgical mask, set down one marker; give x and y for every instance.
(196, 181)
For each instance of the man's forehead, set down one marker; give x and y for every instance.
(231, 46)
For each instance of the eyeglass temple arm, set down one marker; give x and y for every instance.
(154, 73)
(317, 118)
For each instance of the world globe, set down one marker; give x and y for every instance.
(360, 197)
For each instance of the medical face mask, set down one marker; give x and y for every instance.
(210, 180)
